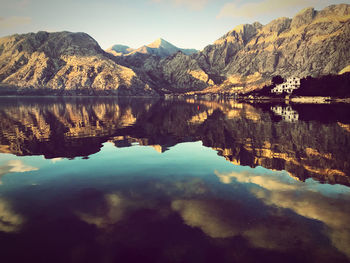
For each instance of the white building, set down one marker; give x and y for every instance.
(287, 113)
(288, 86)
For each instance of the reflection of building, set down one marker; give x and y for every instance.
(287, 113)
(291, 84)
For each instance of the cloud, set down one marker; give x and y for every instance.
(15, 4)
(191, 4)
(267, 7)
(9, 220)
(14, 21)
(15, 166)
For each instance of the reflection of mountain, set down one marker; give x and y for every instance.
(57, 128)
(241, 133)
(305, 149)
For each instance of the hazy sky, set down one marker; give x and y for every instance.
(185, 23)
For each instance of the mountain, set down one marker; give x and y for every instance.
(119, 50)
(159, 47)
(312, 43)
(63, 63)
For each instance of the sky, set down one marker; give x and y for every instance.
(184, 23)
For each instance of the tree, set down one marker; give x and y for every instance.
(277, 80)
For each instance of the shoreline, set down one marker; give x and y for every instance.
(214, 97)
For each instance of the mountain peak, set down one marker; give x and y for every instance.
(160, 42)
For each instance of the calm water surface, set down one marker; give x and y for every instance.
(106, 180)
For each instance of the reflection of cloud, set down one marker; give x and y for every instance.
(191, 4)
(14, 21)
(268, 182)
(105, 210)
(114, 210)
(208, 216)
(266, 7)
(183, 188)
(15, 166)
(9, 220)
(55, 160)
(333, 211)
(225, 219)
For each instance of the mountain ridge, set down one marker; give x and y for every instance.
(65, 63)
(159, 47)
(312, 43)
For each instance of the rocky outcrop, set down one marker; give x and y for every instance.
(65, 63)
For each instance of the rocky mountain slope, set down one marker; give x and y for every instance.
(312, 43)
(64, 63)
(160, 48)
(177, 73)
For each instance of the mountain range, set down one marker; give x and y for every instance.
(312, 43)
(159, 47)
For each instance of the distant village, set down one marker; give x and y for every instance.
(288, 86)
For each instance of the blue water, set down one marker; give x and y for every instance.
(139, 193)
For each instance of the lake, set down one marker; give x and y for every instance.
(152, 180)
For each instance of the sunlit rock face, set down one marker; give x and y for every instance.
(64, 63)
(177, 73)
(312, 43)
(241, 133)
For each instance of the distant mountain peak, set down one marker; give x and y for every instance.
(159, 47)
(160, 42)
(119, 50)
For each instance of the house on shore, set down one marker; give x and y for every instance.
(288, 86)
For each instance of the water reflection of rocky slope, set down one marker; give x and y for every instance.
(63, 128)
(241, 133)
